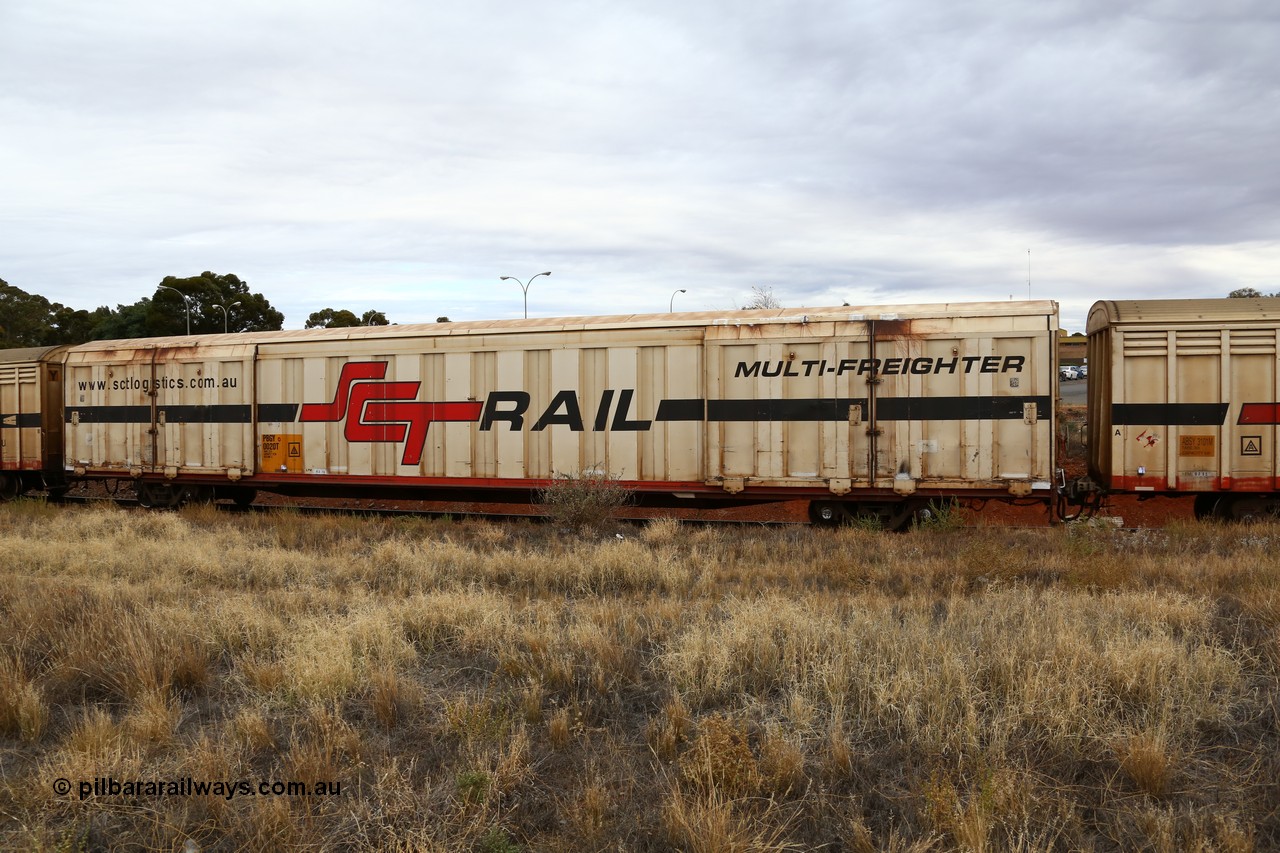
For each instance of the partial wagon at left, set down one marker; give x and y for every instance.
(30, 420)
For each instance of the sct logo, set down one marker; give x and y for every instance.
(385, 411)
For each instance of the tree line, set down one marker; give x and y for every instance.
(211, 302)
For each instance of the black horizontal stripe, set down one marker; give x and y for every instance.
(213, 414)
(21, 420)
(716, 411)
(959, 408)
(1170, 414)
(806, 409)
(681, 410)
(109, 414)
(278, 412)
(887, 409)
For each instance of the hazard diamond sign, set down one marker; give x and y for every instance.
(1250, 445)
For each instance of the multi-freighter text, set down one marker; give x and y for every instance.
(921, 366)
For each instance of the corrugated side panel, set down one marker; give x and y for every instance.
(20, 417)
(777, 405)
(108, 410)
(180, 410)
(1193, 408)
(204, 409)
(946, 402)
(510, 407)
(950, 402)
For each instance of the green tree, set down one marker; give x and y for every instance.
(25, 318)
(124, 323)
(341, 318)
(76, 325)
(1248, 293)
(28, 320)
(166, 314)
(329, 318)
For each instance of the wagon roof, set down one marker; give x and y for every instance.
(1182, 311)
(14, 356)
(618, 321)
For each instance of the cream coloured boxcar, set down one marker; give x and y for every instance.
(1183, 399)
(30, 419)
(863, 409)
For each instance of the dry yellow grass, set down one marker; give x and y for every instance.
(474, 686)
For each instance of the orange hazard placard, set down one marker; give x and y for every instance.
(1197, 445)
(281, 453)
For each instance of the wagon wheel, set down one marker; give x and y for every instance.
(1208, 507)
(10, 487)
(827, 513)
(241, 496)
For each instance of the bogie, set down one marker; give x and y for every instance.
(885, 515)
(155, 495)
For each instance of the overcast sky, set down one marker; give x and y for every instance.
(403, 154)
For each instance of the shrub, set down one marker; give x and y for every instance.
(587, 498)
(940, 514)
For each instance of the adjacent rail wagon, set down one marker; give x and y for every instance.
(30, 426)
(1183, 401)
(858, 410)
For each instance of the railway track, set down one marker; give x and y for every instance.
(400, 512)
(128, 502)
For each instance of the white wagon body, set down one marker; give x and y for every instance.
(889, 400)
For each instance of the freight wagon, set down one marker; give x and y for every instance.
(1183, 400)
(861, 411)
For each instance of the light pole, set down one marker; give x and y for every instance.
(185, 303)
(671, 306)
(523, 286)
(224, 314)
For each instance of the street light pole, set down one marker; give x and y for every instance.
(524, 287)
(185, 303)
(671, 306)
(224, 314)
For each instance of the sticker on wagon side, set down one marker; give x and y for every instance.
(1197, 445)
(282, 453)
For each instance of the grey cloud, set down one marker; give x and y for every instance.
(886, 151)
